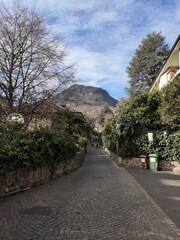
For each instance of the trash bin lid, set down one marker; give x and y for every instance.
(152, 155)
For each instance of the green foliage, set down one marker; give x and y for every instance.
(101, 116)
(71, 124)
(146, 63)
(82, 141)
(22, 149)
(36, 149)
(170, 104)
(165, 145)
(155, 112)
(107, 136)
(139, 115)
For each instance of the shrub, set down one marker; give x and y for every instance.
(170, 105)
(35, 149)
(165, 145)
(157, 111)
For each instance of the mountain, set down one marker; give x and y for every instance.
(86, 95)
(95, 103)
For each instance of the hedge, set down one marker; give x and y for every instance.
(35, 149)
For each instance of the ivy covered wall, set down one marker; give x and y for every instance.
(159, 113)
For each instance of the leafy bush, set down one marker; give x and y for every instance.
(154, 112)
(21, 149)
(165, 145)
(109, 138)
(35, 149)
(82, 142)
(170, 105)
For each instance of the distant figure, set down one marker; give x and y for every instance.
(92, 144)
(97, 145)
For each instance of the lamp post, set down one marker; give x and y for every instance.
(15, 119)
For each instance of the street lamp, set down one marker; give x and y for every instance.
(15, 119)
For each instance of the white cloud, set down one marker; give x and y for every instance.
(103, 35)
(97, 69)
(101, 17)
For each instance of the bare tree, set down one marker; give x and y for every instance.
(32, 64)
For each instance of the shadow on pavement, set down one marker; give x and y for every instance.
(163, 187)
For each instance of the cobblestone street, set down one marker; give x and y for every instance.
(99, 201)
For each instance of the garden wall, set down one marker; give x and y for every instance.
(136, 163)
(23, 179)
(169, 166)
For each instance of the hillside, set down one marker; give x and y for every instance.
(87, 99)
(86, 95)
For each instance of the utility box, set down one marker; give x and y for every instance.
(143, 161)
(153, 165)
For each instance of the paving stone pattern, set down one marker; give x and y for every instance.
(99, 201)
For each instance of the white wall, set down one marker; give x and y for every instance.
(163, 80)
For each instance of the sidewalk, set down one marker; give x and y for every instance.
(99, 201)
(163, 187)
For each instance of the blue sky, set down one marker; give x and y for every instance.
(102, 35)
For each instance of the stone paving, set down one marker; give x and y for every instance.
(99, 201)
(163, 187)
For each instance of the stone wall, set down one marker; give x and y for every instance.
(136, 163)
(12, 182)
(169, 166)
(126, 162)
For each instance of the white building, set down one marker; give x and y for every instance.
(170, 68)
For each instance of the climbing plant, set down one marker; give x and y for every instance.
(157, 112)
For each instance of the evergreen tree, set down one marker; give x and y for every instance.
(146, 63)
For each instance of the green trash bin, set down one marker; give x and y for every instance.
(153, 162)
